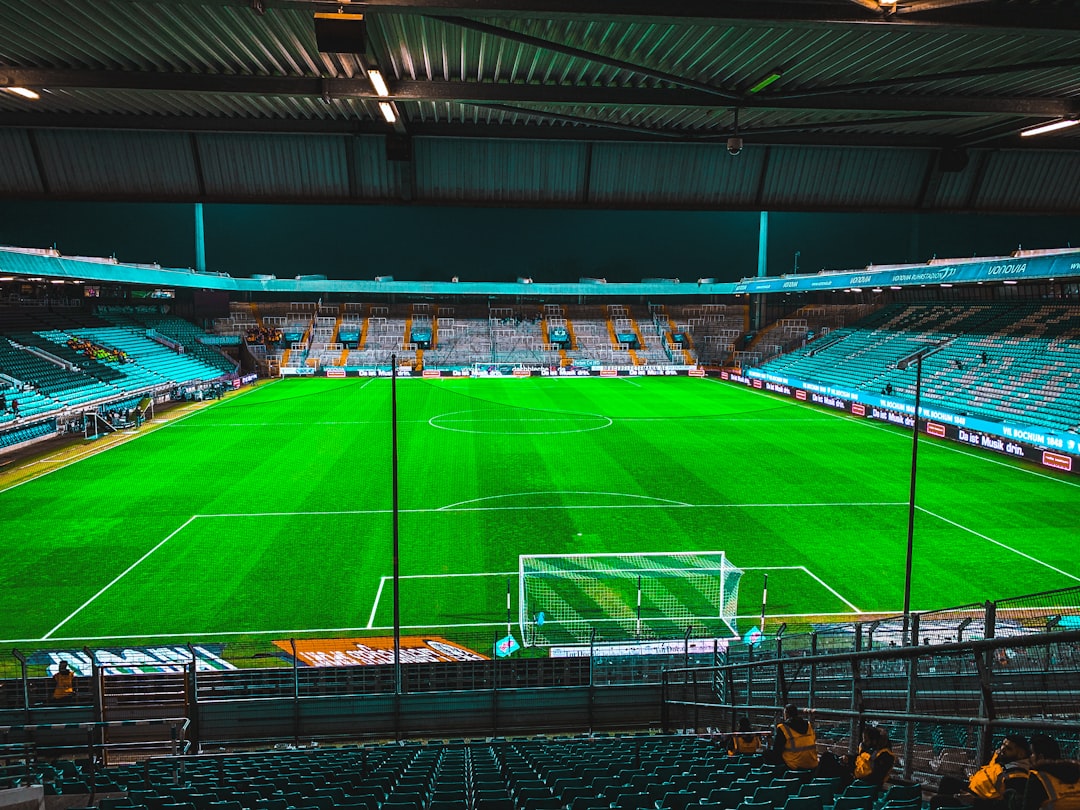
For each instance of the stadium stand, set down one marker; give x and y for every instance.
(180, 333)
(716, 330)
(58, 364)
(654, 771)
(1004, 362)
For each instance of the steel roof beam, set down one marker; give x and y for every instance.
(589, 56)
(526, 94)
(944, 75)
(978, 15)
(955, 14)
(594, 131)
(476, 93)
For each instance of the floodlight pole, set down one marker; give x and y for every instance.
(394, 523)
(911, 497)
(917, 358)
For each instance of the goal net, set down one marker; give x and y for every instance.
(653, 595)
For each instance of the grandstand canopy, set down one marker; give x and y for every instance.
(840, 105)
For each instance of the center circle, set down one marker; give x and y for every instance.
(510, 422)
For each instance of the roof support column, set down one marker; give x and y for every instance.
(200, 240)
(757, 302)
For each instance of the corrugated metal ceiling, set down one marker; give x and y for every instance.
(547, 102)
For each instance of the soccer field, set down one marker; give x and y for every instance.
(270, 512)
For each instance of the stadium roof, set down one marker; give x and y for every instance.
(33, 264)
(841, 105)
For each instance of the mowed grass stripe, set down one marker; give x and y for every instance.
(674, 440)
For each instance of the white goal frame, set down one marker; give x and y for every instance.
(708, 573)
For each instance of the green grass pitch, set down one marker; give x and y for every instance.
(270, 512)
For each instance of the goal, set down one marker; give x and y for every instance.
(649, 595)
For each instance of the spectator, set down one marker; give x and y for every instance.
(875, 759)
(1054, 783)
(985, 358)
(744, 742)
(15, 407)
(63, 683)
(1004, 777)
(998, 785)
(795, 743)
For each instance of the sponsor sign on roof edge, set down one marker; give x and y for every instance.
(1001, 269)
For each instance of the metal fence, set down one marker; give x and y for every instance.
(950, 678)
(942, 703)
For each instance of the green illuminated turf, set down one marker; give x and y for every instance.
(271, 511)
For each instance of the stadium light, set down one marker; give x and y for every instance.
(1053, 126)
(765, 81)
(378, 83)
(916, 358)
(23, 92)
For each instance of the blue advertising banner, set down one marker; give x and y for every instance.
(1035, 444)
(1062, 265)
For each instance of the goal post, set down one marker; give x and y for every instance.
(647, 595)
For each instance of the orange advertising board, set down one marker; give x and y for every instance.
(361, 652)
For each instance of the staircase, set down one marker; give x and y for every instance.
(143, 697)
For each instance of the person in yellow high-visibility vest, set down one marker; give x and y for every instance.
(63, 683)
(795, 742)
(744, 742)
(1053, 783)
(997, 785)
(875, 760)
(1006, 770)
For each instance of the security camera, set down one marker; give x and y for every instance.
(734, 145)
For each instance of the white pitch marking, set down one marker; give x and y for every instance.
(719, 417)
(999, 543)
(950, 446)
(566, 492)
(991, 460)
(209, 635)
(281, 424)
(555, 416)
(673, 504)
(130, 438)
(126, 571)
(447, 576)
(375, 604)
(830, 589)
(383, 579)
(770, 567)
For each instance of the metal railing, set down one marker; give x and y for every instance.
(941, 703)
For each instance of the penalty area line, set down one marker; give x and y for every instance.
(119, 577)
(945, 444)
(981, 536)
(813, 576)
(829, 588)
(383, 579)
